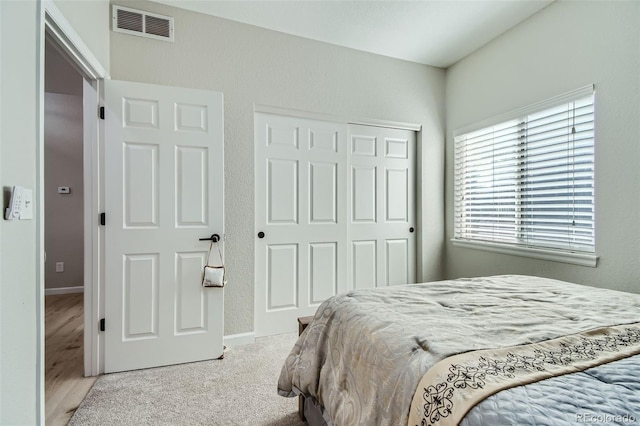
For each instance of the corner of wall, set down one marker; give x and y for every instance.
(565, 46)
(91, 20)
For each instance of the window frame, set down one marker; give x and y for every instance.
(583, 258)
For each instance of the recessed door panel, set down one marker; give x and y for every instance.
(364, 264)
(364, 145)
(142, 113)
(323, 263)
(282, 196)
(364, 194)
(396, 183)
(192, 195)
(323, 192)
(397, 260)
(140, 185)
(323, 141)
(191, 118)
(283, 135)
(140, 295)
(282, 276)
(190, 311)
(396, 148)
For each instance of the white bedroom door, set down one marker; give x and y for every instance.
(163, 174)
(381, 210)
(300, 210)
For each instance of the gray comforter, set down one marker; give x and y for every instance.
(365, 351)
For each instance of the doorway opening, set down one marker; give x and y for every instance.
(56, 33)
(65, 384)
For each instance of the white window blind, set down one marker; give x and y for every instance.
(528, 180)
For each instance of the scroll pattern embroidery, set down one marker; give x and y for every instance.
(438, 399)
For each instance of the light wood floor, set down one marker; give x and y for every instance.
(65, 386)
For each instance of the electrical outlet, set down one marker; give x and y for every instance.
(59, 266)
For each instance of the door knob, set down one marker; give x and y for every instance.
(411, 229)
(215, 238)
(260, 234)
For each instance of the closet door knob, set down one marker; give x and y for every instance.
(411, 229)
(260, 234)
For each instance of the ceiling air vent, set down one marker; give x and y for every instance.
(144, 24)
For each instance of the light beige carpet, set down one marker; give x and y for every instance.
(240, 389)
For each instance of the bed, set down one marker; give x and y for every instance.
(441, 353)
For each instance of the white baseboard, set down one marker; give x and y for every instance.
(239, 339)
(63, 290)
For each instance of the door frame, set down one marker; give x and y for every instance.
(53, 24)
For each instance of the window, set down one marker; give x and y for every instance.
(526, 181)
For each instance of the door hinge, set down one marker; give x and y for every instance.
(101, 113)
(102, 324)
(103, 218)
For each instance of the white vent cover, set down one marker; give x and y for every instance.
(144, 24)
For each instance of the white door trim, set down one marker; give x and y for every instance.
(53, 22)
(68, 39)
(268, 109)
(93, 234)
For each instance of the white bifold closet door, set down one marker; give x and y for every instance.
(334, 212)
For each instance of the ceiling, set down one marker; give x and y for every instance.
(431, 32)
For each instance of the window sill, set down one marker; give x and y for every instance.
(582, 259)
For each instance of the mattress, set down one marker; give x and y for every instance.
(365, 351)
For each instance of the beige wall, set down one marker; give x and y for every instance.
(64, 218)
(565, 46)
(91, 20)
(253, 65)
